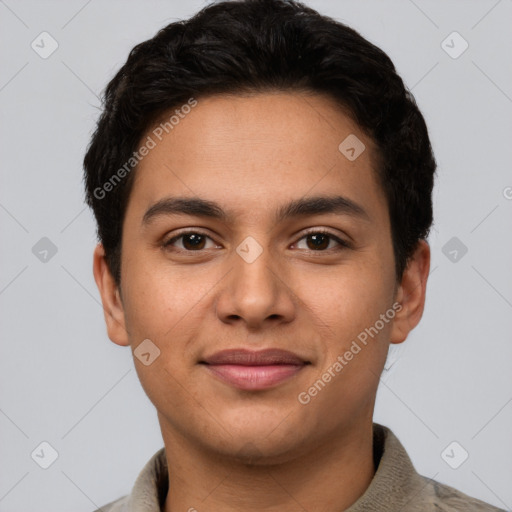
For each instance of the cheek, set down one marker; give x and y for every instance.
(151, 301)
(162, 306)
(351, 305)
(163, 300)
(344, 298)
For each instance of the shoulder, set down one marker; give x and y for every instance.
(148, 491)
(411, 491)
(439, 497)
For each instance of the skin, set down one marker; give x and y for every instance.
(227, 449)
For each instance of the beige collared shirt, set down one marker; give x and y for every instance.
(395, 487)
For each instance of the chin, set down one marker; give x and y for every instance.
(260, 442)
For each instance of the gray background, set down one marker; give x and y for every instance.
(61, 379)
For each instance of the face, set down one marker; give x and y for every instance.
(245, 272)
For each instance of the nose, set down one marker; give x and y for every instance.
(256, 294)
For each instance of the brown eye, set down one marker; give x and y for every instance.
(321, 241)
(318, 241)
(193, 241)
(190, 241)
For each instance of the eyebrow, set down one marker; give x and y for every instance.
(302, 207)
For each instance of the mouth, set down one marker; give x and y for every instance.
(254, 370)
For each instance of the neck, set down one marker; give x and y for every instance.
(331, 476)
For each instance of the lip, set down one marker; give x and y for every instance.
(254, 370)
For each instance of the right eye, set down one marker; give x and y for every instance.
(192, 241)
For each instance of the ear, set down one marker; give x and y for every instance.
(411, 293)
(110, 297)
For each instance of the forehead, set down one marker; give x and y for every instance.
(253, 150)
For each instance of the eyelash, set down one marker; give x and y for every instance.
(344, 245)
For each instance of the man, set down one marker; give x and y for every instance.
(262, 182)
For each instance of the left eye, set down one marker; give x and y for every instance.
(320, 240)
